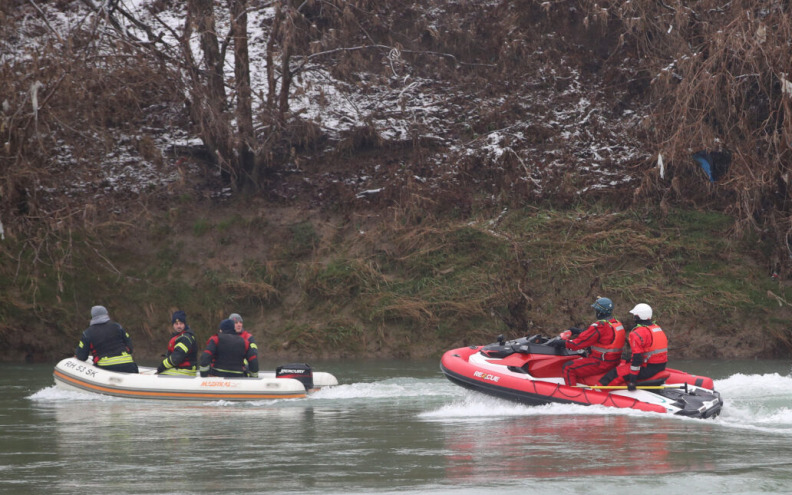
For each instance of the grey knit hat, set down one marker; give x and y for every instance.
(99, 315)
(235, 317)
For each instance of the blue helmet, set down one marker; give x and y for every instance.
(603, 306)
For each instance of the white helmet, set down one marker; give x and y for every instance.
(642, 311)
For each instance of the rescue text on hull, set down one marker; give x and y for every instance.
(73, 374)
(527, 370)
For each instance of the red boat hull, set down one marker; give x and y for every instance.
(498, 380)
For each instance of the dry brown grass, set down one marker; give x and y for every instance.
(258, 291)
(706, 75)
(719, 81)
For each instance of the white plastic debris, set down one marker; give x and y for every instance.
(786, 86)
(34, 88)
(660, 165)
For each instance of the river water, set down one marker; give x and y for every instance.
(393, 427)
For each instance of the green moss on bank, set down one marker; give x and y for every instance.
(319, 288)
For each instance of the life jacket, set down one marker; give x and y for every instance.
(613, 350)
(248, 338)
(230, 354)
(658, 351)
(250, 342)
(107, 344)
(189, 348)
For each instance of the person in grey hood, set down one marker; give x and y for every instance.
(108, 343)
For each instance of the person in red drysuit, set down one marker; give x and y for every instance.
(604, 338)
(649, 346)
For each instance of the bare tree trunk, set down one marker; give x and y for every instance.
(208, 106)
(274, 33)
(244, 111)
(282, 34)
(287, 38)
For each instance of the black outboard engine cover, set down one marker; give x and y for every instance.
(298, 371)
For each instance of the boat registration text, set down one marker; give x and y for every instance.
(207, 383)
(80, 368)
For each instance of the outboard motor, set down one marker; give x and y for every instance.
(298, 371)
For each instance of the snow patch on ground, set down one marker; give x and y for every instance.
(582, 134)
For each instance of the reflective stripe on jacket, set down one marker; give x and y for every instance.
(229, 353)
(658, 352)
(613, 350)
(182, 354)
(107, 342)
(651, 343)
(124, 357)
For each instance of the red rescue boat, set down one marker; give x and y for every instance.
(528, 370)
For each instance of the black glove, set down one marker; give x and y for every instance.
(160, 368)
(575, 331)
(631, 384)
(559, 344)
(204, 374)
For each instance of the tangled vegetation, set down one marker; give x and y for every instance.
(641, 148)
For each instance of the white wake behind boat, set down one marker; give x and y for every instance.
(73, 374)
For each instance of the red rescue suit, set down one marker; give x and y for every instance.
(605, 338)
(649, 345)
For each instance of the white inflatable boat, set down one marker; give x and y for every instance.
(73, 374)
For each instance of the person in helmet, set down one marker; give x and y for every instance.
(182, 356)
(604, 338)
(226, 353)
(649, 346)
(107, 342)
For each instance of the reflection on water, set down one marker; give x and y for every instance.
(226, 446)
(551, 446)
(388, 428)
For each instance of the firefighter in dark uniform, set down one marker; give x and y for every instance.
(107, 342)
(226, 353)
(182, 356)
